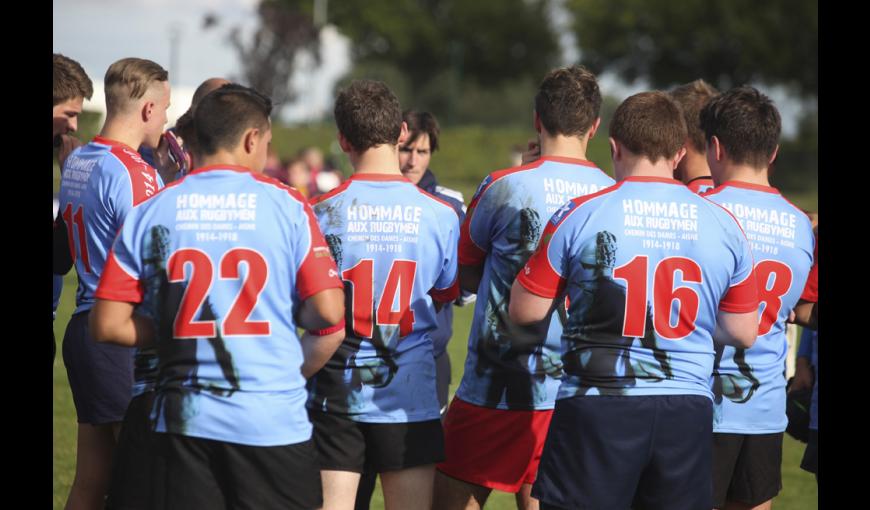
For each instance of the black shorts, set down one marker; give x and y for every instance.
(747, 468)
(810, 462)
(133, 481)
(643, 452)
(201, 473)
(347, 445)
(100, 375)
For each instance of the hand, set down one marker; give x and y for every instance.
(533, 152)
(68, 143)
(165, 166)
(791, 316)
(803, 376)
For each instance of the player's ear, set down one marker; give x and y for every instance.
(537, 122)
(594, 128)
(147, 110)
(403, 134)
(614, 149)
(774, 155)
(344, 144)
(716, 147)
(680, 155)
(250, 140)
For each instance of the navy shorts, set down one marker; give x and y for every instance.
(202, 473)
(100, 375)
(133, 483)
(746, 468)
(616, 452)
(347, 445)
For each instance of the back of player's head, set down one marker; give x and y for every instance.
(568, 101)
(69, 80)
(649, 124)
(128, 80)
(746, 123)
(368, 114)
(419, 123)
(222, 117)
(692, 97)
(184, 124)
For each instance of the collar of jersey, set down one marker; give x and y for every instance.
(650, 178)
(563, 159)
(113, 143)
(232, 168)
(379, 177)
(749, 185)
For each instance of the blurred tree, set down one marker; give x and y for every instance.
(727, 43)
(268, 60)
(444, 49)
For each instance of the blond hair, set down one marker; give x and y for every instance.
(129, 79)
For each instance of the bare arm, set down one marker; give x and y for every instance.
(806, 313)
(322, 310)
(114, 322)
(736, 329)
(526, 307)
(469, 277)
(317, 350)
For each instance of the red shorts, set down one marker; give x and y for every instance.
(494, 448)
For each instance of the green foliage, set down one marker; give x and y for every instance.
(468, 61)
(726, 43)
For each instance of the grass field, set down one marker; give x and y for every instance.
(799, 487)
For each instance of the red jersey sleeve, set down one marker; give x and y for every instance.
(811, 289)
(447, 295)
(538, 276)
(116, 284)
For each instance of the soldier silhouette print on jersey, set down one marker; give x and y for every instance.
(514, 349)
(597, 317)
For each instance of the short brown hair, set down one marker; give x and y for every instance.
(368, 114)
(130, 78)
(419, 123)
(692, 97)
(747, 124)
(649, 124)
(568, 101)
(69, 80)
(223, 116)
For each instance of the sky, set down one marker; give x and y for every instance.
(143, 28)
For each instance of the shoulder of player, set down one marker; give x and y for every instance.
(277, 189)
(449, 194)
(503, 175)
(438, 204)
(720, 213)
(581, 204)
(341, 188)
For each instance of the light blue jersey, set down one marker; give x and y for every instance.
(221, 259)
(395, 246)
(646, 265)
(100, 184)
(510, 366)
(749, 384)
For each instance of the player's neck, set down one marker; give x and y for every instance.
(564, 146)
(743, 173)
(123, 130)
(381, 159)
(694, 165)
(642, 167)
(223, 158)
